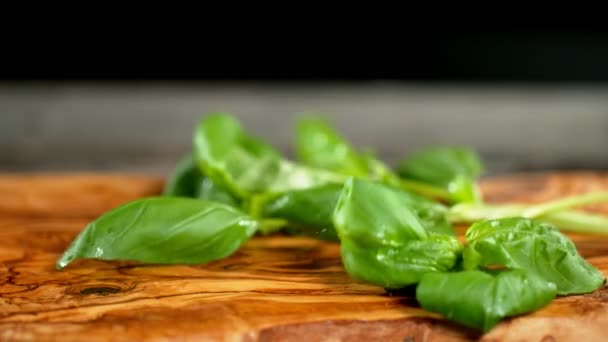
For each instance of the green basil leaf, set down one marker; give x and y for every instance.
(185, 179)
(320, 146)
(432, 215)
(383, 215)
(164, 230)
(533, 246)
(310, 210)
(384, 240)
(481, 299)
(378, 170)
(376, 215)
(454, 168)
(246, 165)
(229, 156)
(441, 164)
(398, 267)
(188, 181)
(214, 192)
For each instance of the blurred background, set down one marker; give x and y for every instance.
(525, 100)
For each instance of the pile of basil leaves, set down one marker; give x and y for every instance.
(394, 226)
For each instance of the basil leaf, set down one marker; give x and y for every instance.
(389, 214)
(441, 164)
(185, 179)
(378, 170)
(398, 267)
(376, 215)
(481, 299)
(164, 230)
(432, 215)
(454, 168)
(310, 210)
(214, 192)
(231, 157)
(246, 165)
(319, 145)
(384, 241)
(533, 246)
(188, 181)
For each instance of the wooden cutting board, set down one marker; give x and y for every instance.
(274, 288)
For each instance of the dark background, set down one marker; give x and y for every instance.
(526, 100)
(521, 56)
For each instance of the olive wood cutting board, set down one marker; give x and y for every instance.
(274, 288)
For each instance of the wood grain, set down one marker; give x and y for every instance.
(274, 288)
(70, 195)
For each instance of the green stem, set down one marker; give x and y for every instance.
(469, 212)
(565, 203)
(568, 220)
(425, 189)
(256, 204)
(576, 221)
(255, 207)
(271, 225)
